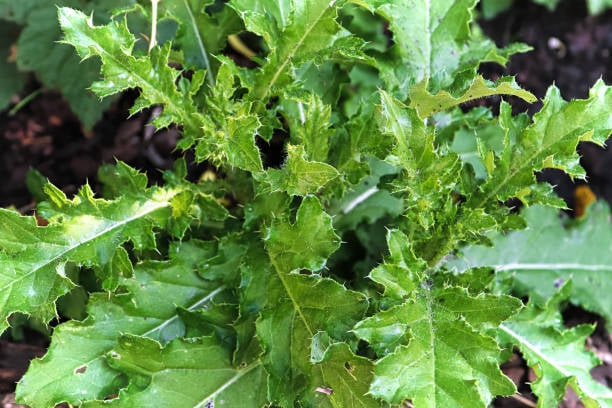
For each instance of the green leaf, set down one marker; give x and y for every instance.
(328, 86)
(74, 368)
(475, 138)
(305, 244)
(34, 258)
(309, 124)
(121, 179)
(200, 34)
(433, 44)
(369, 200)
(428, 181)
(428, 35)
(299, 176)
(549, 142)
(491, 8)
(158, 376)
(598, 6)
(290, 309)
(293, 31)
(427, 104)
(537, 260)
(240, 141)
(11, 80)
(557, 354)
(344, 377)
(448, 349)
(230, 128)
(224, 266)
(387, 329)
(38, 50)
(262, 209)
(434, 340)
(298, 307)
(113, 43)
(402, 270)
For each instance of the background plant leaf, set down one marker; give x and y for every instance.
(38, 50)
(556, 353)
(537, 260)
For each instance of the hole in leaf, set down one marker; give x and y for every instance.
(273, 153)
(81, 369)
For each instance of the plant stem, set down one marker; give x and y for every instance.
(153, 40)
(24, 102)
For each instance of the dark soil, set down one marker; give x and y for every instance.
(571, 50)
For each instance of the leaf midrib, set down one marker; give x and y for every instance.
(527, 162)
(522, 341)
(239, 374)
(549, 266)
(164, 322)
(49, 262)
(168, 102)
(196, 31)
(288, 57)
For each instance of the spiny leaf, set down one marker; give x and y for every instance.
(114, 43)
(344, 377)
(433, 43)
(549, 142)
(200, 35)
(556, 353)
(292, 30)
(438, 340)
(427, 104)
(74, 368)
(34, 258)
(298, 175)
(307, 243)
(401, 271)
(309, 125)
(428, 180)
(297, 307)
(443, 350)
(230, 128)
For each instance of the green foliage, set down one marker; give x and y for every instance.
(38, 50)
(537, 260)
(148, 307)
(155, 380)
(320, 279)
(11, 80)
(538, 333)
(439, 329)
